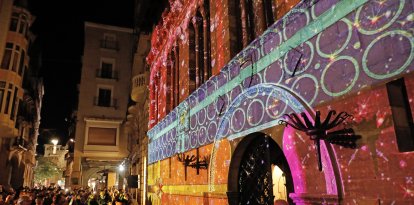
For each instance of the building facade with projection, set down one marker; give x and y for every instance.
(223, 74)
(100, 138)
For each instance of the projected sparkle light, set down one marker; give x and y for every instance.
(252, 91)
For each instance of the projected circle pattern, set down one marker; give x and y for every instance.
(331, 65)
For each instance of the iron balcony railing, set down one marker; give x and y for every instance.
(104, 102)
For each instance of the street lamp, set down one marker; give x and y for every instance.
(121, 167)
(54, 142)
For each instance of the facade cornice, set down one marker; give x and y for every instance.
(108, 27)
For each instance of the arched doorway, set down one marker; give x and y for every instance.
(259, 172)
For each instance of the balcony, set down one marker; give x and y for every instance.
(109, 44)
(101, 102)
(139, 86)
(102, 73)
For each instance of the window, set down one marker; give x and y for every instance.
(109, 41)
(19, 23)
(21, 64)
(207, 42)
(157, 95)
(2, 89)
(7, 56)
(23, 25)
(11, 58)
(201, 72)
(248, 23)
(14, 22)
(401, 114)
(14, 105)
(199, 49)
(268, 9)
(192, 73)
(242, 24)
(235, 28)
(249, 20)
(16, 58)
(176, 76)
(169, 86)
(22, 111)
(104, 97)
(9, 92)
(106, 70)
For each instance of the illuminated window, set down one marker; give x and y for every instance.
(401, 114)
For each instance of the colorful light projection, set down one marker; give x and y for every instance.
(331, 75)
(332, 65)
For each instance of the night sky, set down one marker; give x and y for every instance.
(59, 30)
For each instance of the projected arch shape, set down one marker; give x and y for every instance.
(294, 103)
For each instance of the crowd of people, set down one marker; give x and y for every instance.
(58, 196)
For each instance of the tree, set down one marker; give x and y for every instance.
(45, 169)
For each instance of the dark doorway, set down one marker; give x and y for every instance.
(259, 173)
